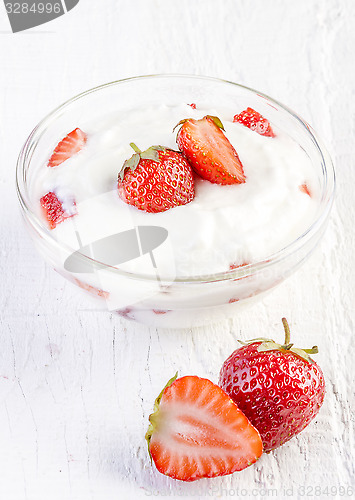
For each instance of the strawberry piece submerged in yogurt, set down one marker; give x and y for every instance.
(220, 223)
(54, 211)
(255, 121)
(305, 189)
(67, 147)
(98, 292)
(209, 151)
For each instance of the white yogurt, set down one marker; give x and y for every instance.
(222, 226)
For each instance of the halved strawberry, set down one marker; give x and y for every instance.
(53, 209)
(197, 431)
(67, 147)
(209, 151)
(255, 121)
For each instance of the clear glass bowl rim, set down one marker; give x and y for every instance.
(244, 271)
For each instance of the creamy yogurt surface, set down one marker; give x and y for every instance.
(223, 226)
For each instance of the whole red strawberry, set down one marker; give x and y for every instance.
(197, 431)
(209, 151)
(279, 388)
(255, 121)
(156, 180)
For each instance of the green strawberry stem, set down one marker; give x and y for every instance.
(271, 345)
(287, 331)
(287, 346)
(133, 162)
(135, 148)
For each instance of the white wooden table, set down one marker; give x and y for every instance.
(77, 386)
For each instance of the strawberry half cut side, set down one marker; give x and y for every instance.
(209, 151)
(68, 147)
(255, 121)
(197, 431)
(53, 209)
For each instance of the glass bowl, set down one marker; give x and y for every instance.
(154, 298)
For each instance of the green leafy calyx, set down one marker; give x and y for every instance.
(215, 120)
(154, 417)
(132, 163)
(271, 345)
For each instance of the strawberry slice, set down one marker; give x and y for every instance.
(209, 151)
(67, 147)
(92, 289)
(197, 431)
(305, 189)
(53, 209)
(255, 121)
(235, 266)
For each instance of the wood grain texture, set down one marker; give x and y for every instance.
(77, 385)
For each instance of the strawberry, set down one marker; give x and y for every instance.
(156, 180)
(92, 289)
(126, 312)
(236, 266)
(305, 189)
(209, 151)
(193, 105)
(279, 388)
(67, 147)
(53, 209)
(197, 431)
(161, 311)
(255, 121)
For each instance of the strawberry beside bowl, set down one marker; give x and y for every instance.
(154, 252)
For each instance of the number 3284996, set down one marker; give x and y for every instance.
(34, 8)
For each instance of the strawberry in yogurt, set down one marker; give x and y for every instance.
(210, 153)
(235, 199)
(242, 203)
(156, 180)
